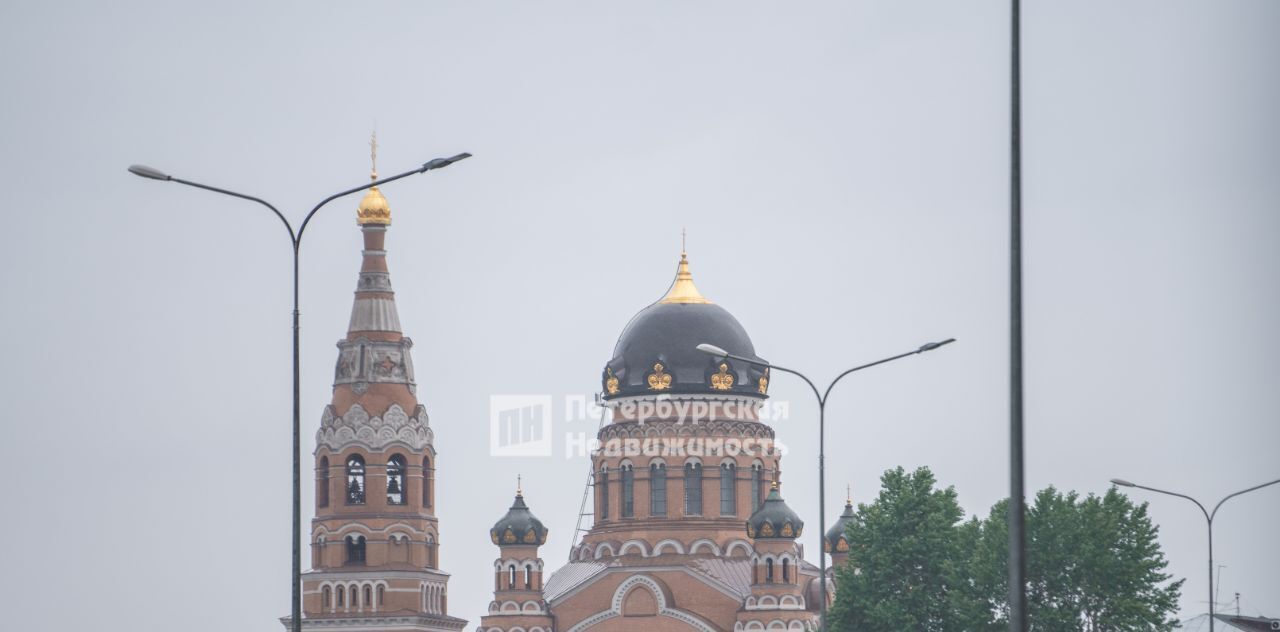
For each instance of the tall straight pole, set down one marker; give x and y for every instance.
(1211, 597)
(296, 536)
(1017, 512)
(822, 505)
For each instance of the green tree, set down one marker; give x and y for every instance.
(1093, 564)
(906, 560)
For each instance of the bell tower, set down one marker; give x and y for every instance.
(375, 537)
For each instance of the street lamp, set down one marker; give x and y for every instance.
(1208, 516)
(295, 239)
(822, 407)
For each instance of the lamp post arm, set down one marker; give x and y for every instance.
(865, 366)
(757, 362)
(287, 225)
(1169, 493)
(1243, 491)
(335, 196)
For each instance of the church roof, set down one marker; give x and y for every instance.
(774, 519)
(519, 526)
(657, 351)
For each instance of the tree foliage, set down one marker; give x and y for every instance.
(1093, 564)
(904, 564)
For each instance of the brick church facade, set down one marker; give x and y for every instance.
(690, 530)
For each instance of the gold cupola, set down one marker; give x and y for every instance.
(683, 290)
(373, 208)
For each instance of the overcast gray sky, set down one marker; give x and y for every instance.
(842, 171)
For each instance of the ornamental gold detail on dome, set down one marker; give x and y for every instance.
(763, 385)
(659, 380)
(683, 290)
(374, 208)
(611, 382)
(723, 380)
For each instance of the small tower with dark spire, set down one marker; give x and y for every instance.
(518, 602)
(777, 588)
(836, 542)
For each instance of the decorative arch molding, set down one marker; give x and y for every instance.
(738, 548)
(673, 544)
(671, 429)
(660, 596)
(357, 428)
(391, 529)
(500, 564)
(600, 549)
(704, 543)
(634, 544)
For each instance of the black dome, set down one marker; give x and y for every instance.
(774, 519)
(660, 342)
(519, 526)
(836, 540)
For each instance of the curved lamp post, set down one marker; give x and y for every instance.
(1208, 516)
(822, 407)
(295, 238)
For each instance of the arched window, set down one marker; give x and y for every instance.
(602, 482)
(528, 576)
(628, 491)
(355, 480)
(431, 552)
(322, 483)
(511, 577)
(658, 489)
(368, 596)
(768, 571)
(395, 480)
(382, 595)
(326, 597)
(757, 485)
(693, 489)
(428, 479)
(728, 489)
(355, 550)
(786, 571)
(341, 593)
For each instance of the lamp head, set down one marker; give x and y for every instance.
(930, 346)
(711, 349)
(438, 163)
(1121, 482)
(148, 172)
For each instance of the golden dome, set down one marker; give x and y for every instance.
(373, 208)
(683, 290)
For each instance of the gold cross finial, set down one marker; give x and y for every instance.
(373, 155)
(848, 494)
(683, 241)
(519, 485)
